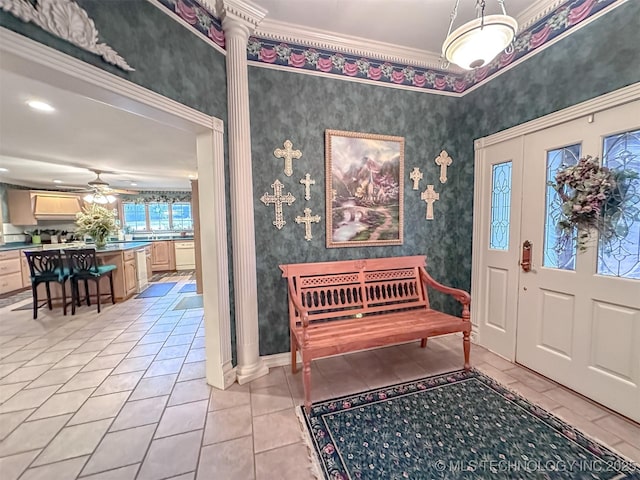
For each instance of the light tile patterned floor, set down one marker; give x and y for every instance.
(122, 395)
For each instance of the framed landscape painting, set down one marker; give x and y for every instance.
(364, 175)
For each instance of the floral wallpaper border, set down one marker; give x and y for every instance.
(262, 50)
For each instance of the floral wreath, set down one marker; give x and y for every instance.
(592, 199)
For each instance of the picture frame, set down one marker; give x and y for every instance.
(364, 189)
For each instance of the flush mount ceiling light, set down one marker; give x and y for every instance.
(57, 181)
(478, 41)
(2, 169)
(40, 106)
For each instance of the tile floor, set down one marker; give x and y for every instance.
(122, 395)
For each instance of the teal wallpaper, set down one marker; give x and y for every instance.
(599, 58)
(300, 108)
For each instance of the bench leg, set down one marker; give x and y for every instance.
(294, 363)
(423, 343)
(306, 379)
(466, 343)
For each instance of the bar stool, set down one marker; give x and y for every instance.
(46, 267)
(83, 263)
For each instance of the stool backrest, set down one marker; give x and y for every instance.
(82, 260)
(44, 264)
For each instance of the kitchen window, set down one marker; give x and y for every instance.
(157, 216)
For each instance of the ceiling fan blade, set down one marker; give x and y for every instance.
(122, 191)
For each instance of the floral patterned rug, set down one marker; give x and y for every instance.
(456, 425)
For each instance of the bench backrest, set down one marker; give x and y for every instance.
(332, 290)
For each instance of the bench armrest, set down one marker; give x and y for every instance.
(303, 312)
(460, 295)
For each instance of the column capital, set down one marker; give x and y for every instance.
(240, 13)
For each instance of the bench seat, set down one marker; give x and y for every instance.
(346, 306)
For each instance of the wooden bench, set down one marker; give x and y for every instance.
(339, 307)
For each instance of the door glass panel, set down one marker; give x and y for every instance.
(558, 253)
(619, 255)
(500, 206)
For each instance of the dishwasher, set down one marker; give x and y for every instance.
(185, 255)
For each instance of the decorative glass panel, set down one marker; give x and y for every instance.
(135, 216)
(557, 253)
(159, 216)
(181, 216)
(500, 206)
(619, 255)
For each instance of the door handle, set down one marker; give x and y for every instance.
(526, 256)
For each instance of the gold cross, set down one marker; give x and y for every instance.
(288, 154)
(278, 199)
(307, 182)
(416, 176)
(307, 220)
(430, 196)
(444, 160)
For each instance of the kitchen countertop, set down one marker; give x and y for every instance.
(110, 247)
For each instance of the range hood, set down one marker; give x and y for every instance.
(55, 206)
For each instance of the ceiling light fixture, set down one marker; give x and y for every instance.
(2, 169)
(477, 42)
(57, 181)
(40, 106)
(133, 184)
(99, 198)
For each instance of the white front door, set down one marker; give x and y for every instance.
(574, 318)
(579, 314)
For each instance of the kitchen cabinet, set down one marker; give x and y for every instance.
(10, 271)
(130, 277)
(162, 256)
(26, 207)
(26, 274)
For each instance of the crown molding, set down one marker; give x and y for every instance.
(242, 10)
(535, 12)
(357, 46)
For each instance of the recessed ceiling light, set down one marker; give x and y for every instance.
(57, 181)
(192, 176)
(40, 106)
(134, 184)
(2, 169)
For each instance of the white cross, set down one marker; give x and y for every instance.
(430, 196)
(288, 154)
(278, 199)
(444, 160)
(307, 182)
(307, 220)
(416, 176)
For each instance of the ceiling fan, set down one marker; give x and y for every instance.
(99, 191)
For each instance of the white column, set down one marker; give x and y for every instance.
(239, 19)
(213, 235)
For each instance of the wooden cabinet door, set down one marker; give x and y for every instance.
(26, 274)
(161, 256)
(130, 279)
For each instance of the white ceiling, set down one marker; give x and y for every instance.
(414, 24)
(38, 148)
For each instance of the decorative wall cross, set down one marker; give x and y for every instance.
(444, 160)
(308, 219)
(430, 196)
(416, 176)
(288, 153)
(278, 199)
(307, 182)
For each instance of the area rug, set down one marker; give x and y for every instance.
(188, 288)
(157, 290)
(455, 425)
(190, 302)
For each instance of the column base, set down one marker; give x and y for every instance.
(247, 373)
(220, 376)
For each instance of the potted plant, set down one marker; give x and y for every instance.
(36, 239)
(97, 222)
